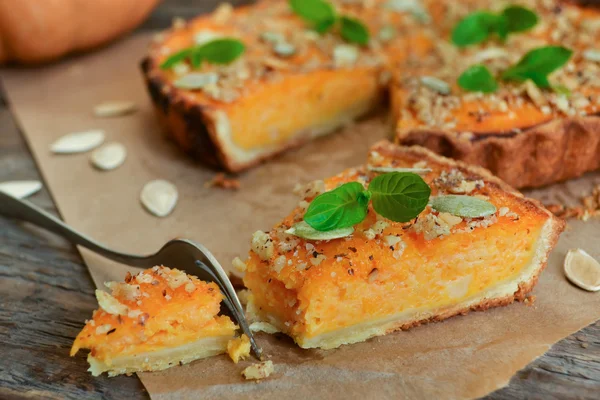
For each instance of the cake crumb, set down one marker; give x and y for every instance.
(530, 300)
(590, 207)
(238, 348)
(259, 371)
(221, 181)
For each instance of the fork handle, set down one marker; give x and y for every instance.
(12, 207)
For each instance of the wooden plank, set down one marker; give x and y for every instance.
(46, 294)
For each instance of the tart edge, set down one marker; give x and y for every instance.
(555, 151)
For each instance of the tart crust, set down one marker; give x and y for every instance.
(551, 152)
(158, 360)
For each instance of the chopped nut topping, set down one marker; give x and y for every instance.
(238, 264)
(431, 227)
(111, 305)
(279, 263)
(262, 245)
(102, 329)
(318, 259)
(449, 219)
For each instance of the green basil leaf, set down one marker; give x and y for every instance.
(196, 58)
(519, 18)
(538, 64)
(221, 51)
(325, 25)
(354, 31)
(463, 206)
(399, 196)
(474, 28)
(315, 11)
(478, 78)
(502, 27)
(176, 58)
(339, 208)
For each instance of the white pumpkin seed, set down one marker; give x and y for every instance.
(196, 80)
(387, 33)
(418, 171)
(305, 231)
(345, 55)
(436, 84)
(159, 197)
(205, 36)
(114, 108)
(272, 37)
(414, 7)
(109, 156)
(592, 55)
(20, 189)
(489, 54)
(284, 49)
(78, 142)
(463, 206)
(582, 270)
(181, 69)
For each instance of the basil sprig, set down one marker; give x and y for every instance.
(398, 196)
(477, 27)
(535, 65)
(323, 17)
(538, 64)
(340, 208)
(218, 51)
(478, 78)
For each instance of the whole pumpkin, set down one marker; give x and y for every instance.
(34, 31)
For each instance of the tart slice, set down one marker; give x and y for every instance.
(380, 275)
(290, 84)
(156, 319)
(527, 135)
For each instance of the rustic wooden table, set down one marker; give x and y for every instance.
(46, 294)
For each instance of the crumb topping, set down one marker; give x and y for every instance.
(156, 305)
(280, 43)
(565, 25)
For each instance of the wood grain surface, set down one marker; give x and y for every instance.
(46, 294)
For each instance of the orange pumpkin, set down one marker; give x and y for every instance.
(34, 31)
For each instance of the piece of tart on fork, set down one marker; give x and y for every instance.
(156, 319)
(475, 244)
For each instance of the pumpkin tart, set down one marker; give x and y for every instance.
(387, 275)
(526, 135)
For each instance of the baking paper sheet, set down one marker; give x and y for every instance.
(463, 357)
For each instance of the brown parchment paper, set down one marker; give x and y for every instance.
(464, 357)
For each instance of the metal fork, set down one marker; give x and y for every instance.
(185, 255)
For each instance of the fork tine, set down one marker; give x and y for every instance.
(231, 300)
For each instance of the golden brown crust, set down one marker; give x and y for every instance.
(186, 123)
(552, 152)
